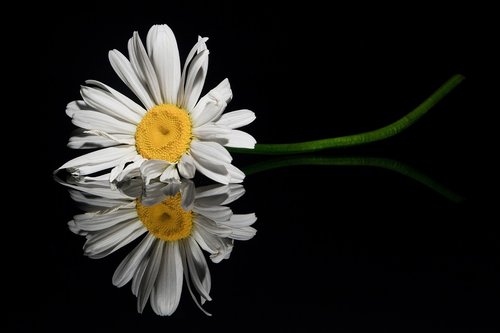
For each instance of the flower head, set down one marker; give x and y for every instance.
(175, 221)
(174, 132)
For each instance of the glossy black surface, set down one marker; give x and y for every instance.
(338, 248)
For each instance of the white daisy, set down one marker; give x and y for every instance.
(174, 132)
(175, 222)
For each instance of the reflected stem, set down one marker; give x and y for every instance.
(361, 138)
(384, 163)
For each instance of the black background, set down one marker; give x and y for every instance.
(338, 248)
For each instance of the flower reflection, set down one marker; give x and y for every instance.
(175, 221)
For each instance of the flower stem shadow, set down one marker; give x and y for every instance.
(384, 163)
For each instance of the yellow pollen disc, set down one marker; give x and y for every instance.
(166, 220)
(164, 133)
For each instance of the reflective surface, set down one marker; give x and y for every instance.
(339, 247)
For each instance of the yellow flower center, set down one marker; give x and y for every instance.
(166, 220)
(164, 133)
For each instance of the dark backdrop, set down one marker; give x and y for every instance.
(338, 248)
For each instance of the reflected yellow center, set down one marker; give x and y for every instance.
(166, 220)
(164, 133)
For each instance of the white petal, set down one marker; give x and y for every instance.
(211, 106)
(106, 103)
(197, 48)
(97, 160)
(220, 213)
(153, 194)
(240, 139)
(125, 271)
(195, 79)
(124, 69)
(152, 169)
(236, 119)
(186, 166)
(119, 97)
(100, 188)
(187, 190)
(167, 291)
(94, 120)
(164, 54)
(97, 221)
(212, 227)
(92, 203)
(143, 67)
(212, 132)
(211, 151)
(170, 175)
(219, 248)
(198, 269)
(235, 192)
(139, 272)
(213, 171)
(106, 242)
(74, 106)
(88, 139)
(235, 174)
(120, 171)
(243, 234)
(150, 274)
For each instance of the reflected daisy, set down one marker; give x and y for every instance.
(176, 221)
(174, 132)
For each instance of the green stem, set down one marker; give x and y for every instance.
(383, 163)
(361, 138)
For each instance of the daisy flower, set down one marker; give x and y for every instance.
(175, 221)
(174, 132)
